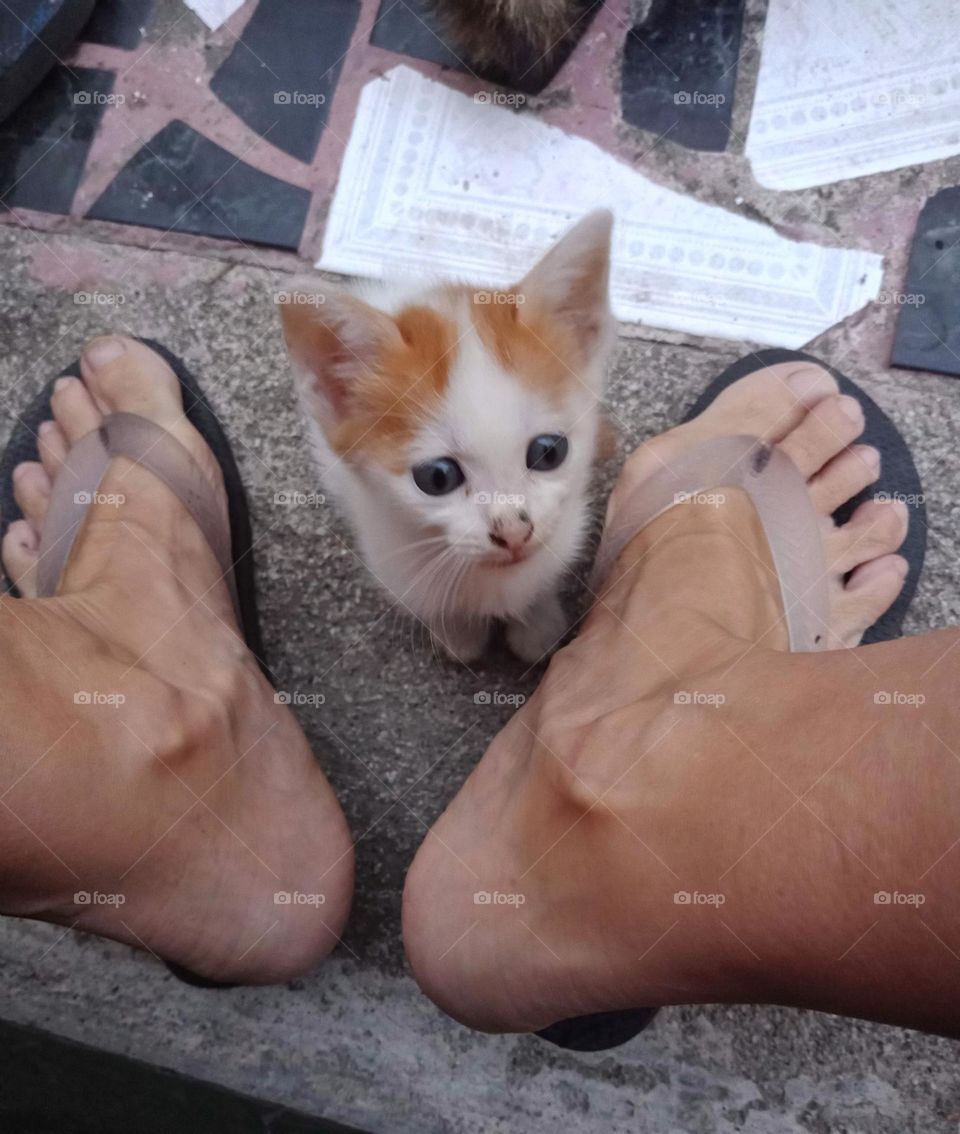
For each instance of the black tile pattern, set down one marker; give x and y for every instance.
(117, 23)
(679, 71)
(34, 35)
(281, 75)
(44, 144)
(409, 27)
(160, 186)
(928, 328)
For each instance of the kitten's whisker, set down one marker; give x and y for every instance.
(400, 607)
(428, 575)
(449, 593)
(432, 563)
(419, 544)
(444, 584)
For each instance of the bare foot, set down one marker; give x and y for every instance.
(543, 890)
(152, 790)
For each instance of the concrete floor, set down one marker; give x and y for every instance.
(355, 1041)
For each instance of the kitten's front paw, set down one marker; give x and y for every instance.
(462, 642)
(540, 634)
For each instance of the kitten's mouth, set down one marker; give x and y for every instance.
(514, 556)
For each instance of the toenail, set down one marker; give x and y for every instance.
(808, 381)
(870, 457)
(101, 352)
(19, 472)
(45, 427)
(851, 408)
(61, 384)
(870, 572)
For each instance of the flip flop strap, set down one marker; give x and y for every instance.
(781, 498)
(77, 486)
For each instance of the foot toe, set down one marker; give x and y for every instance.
(19, 553)
(73, 409)
(870, 592)
(771, 402)
(52, 445)
(842, 478)
(31, 490)
(125, 376)
(876, 528)
(825, 431)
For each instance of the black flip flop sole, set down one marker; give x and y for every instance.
(22, 446)
(898, 479)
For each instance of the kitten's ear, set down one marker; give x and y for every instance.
(334, 342)
(572, 283)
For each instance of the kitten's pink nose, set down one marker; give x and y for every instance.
(511, 531)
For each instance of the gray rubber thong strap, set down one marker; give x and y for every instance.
(78, 483)
(782, 500)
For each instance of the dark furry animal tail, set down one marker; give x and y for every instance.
(517, 43)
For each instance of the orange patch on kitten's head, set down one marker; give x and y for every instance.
(534, 347)
(549, 328)
(404, 383)
(373, 377)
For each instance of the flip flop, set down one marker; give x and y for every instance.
(124, 434)
(782, 500)
(898, 474)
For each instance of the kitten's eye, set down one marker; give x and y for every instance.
(546, 452)
(437, 478)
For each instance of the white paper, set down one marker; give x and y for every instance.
(214, 12)
(851, 87)
(434, 182)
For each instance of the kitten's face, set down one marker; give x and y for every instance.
(472, 413)
(495, 461)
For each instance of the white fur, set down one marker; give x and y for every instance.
(486, 420)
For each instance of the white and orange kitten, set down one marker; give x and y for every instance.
(457, 429)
